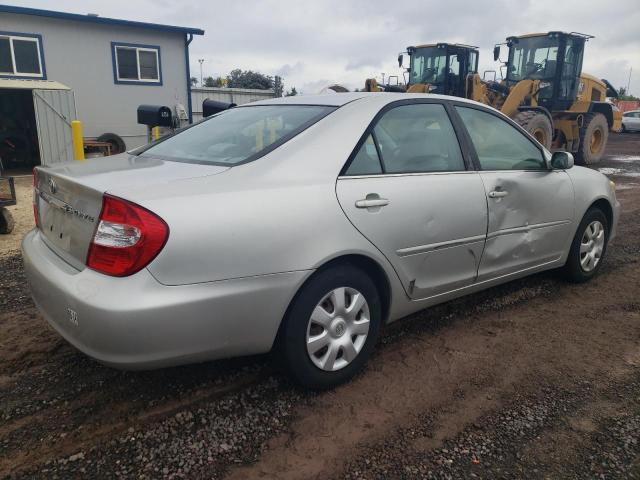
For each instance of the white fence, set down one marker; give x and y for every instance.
(229, 95)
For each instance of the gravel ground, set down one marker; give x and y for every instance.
(535, 379)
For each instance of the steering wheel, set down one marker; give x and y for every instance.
(533, 67)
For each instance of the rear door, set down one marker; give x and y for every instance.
(54, 112)
(407, 189)
(531, 207)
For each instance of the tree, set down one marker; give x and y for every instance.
(278, 86)
(622, 95)
(249, 79)
(291, 93)
(194, 81)
(214, 82)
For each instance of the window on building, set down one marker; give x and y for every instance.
(136, 64)
(21, 56)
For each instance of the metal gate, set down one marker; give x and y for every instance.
(54, 111)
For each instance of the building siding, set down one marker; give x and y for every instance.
(78, 54)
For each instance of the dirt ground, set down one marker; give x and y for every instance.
(533, 379)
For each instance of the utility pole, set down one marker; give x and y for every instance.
(201, 61)
(629, 81)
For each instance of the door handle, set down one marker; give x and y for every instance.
(372, 202)
(498, 194)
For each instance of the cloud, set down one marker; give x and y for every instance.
(348, 41)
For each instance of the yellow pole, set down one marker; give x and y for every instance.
(78, 143)
(156, 133)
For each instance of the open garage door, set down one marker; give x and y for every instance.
(54, 111)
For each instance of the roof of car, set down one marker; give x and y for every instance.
(339, 99)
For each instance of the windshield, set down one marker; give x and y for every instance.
(533, 58)
(428, 65)
(238, 135)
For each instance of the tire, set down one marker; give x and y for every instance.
(6, 221)
(574, 270)
(537, 124)
(298, 327)
(593, 139)
(623, 129)
(117, 144)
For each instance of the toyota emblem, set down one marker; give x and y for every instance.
(52, 186)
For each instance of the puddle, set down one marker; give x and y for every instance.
(627, 186)
(621, 172)
(611, 171)
(624, 158)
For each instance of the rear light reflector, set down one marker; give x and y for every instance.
(127, 239)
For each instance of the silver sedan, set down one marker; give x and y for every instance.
(303, 225)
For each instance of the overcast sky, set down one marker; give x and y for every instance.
(314, 44)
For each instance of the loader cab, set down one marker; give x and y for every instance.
(443, 67)
(554, 58)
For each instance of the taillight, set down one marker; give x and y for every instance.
(35, 197)
(128, 237)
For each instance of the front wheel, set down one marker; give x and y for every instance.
(588, 247)
(330, 328)
(593, 139)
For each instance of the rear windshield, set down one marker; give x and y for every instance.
(238, 135)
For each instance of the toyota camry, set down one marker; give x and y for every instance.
(303, 225)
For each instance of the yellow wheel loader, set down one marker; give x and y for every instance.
(440, 68)
(544, 89)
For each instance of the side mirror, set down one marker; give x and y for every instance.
(561, 160)
(496, 53)
(400, 58)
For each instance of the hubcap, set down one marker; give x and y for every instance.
(338, 329)
(596, 141)
(591, 246)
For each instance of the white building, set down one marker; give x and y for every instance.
(55, 65)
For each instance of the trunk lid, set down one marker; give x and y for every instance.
(69, 197)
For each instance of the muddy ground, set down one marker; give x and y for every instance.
(536, 378)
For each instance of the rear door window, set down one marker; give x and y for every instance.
(413, 138)
(367, 160)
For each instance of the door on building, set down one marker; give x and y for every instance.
(35, 124)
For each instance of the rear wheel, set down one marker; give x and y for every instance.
(331, 327)
(593, 139)
(537, 124)
(117, 144)
(6, 221)
(588, 247)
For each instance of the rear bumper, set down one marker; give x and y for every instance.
(135, 322)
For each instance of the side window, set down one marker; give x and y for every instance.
(135, 64)
(498, 144)
(21, 56)
(418, 138)
(366, 161)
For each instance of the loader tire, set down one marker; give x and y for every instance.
(537, 124)
(593, 139)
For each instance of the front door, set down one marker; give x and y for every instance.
(408, 191)
(530, 206)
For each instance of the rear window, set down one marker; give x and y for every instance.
(238, 135)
